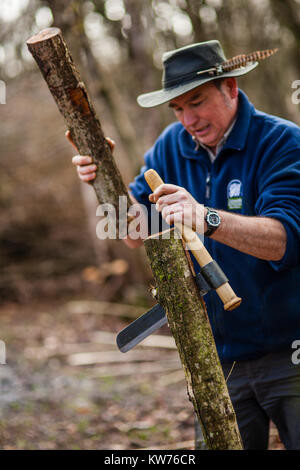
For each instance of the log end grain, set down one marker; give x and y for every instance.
(165, 234)
(43, 35)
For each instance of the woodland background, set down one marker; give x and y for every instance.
(59, 284)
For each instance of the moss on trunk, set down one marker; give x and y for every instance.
(188, 320)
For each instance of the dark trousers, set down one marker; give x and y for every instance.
(266, 389)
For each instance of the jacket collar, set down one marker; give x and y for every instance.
(237, 137)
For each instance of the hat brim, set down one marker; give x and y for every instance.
(155, 98)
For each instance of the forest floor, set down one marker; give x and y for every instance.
(66, 386)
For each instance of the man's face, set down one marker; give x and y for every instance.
(206, 112)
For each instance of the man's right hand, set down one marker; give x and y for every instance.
(86, 169)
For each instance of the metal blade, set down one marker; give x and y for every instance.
(142, 327)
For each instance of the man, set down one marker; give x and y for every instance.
(236, 171)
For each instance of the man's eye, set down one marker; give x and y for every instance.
(197, 103)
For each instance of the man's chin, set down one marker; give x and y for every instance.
(208, 142)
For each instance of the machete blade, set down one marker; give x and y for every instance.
(142, 327)
(151, 321)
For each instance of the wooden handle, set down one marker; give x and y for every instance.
(225, 291)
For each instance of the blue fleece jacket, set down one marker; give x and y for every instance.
(256, 173)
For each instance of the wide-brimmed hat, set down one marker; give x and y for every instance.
(191, 66)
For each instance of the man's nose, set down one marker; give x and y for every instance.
(189, 118)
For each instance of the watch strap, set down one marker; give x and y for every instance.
(210, 231)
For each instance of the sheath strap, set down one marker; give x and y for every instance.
(213, 275)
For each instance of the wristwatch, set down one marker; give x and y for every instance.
(213, 221)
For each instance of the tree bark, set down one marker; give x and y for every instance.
(187, 318)
(55, 62)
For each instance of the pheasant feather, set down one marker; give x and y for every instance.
(238, 61)
(244, 59)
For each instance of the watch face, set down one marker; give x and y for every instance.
(213, 219)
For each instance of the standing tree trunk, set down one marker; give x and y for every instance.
(187, 317)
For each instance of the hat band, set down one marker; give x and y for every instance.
(182, 80)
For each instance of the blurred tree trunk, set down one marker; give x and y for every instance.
(287, 13)
(144, 76)
(242, 16)
(140, 46)
(192, 9)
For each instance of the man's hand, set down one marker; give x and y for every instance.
(86, 169)
(177, 205)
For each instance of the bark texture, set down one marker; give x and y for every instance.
(69, 92)
(187, 318)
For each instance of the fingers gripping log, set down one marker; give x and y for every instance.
(55, 62)
(225, 291)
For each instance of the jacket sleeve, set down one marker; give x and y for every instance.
(279, 198)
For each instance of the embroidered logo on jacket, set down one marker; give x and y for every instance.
(235, 195)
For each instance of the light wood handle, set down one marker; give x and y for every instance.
(225, 291)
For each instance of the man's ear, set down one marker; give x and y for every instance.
(231, 86)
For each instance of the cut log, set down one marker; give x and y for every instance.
(153, 341)
(118, 370)
(98, 307)
(107, 357)
(188, 321)
(69, 92)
